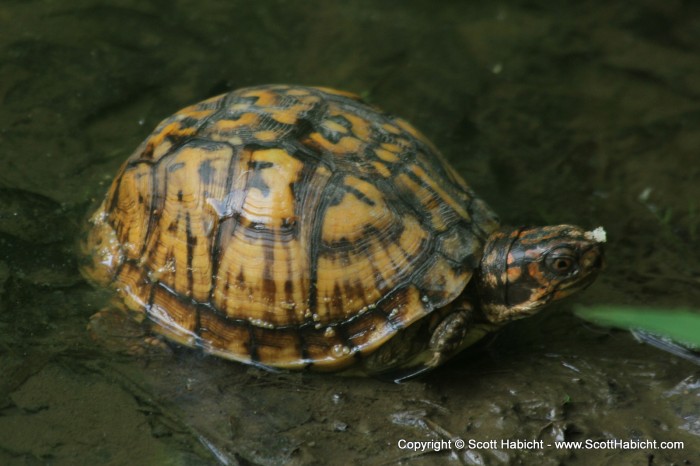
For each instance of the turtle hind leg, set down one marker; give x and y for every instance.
(118, 331)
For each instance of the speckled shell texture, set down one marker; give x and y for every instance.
(287, 226)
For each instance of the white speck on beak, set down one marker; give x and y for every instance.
(598, 235)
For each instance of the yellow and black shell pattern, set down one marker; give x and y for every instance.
(286, 226)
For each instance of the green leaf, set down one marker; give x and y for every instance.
(682, 325)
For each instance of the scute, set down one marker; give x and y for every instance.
(287, 226)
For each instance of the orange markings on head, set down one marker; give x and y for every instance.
(535, 271)
(514, 273)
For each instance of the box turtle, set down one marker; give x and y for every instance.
(299, 227)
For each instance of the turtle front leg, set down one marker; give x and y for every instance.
(450, 332)
(447, 338)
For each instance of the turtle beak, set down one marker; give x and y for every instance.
(591, 262)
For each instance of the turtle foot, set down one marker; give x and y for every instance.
(119, 332)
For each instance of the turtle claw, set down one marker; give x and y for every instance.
(404, 374)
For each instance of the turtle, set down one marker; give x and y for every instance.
(294, 227)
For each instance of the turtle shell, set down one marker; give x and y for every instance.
(286, 226)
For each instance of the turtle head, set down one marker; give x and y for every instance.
(524, 269)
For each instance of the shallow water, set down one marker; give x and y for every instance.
(576, 113)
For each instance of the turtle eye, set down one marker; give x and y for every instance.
(561, 262)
